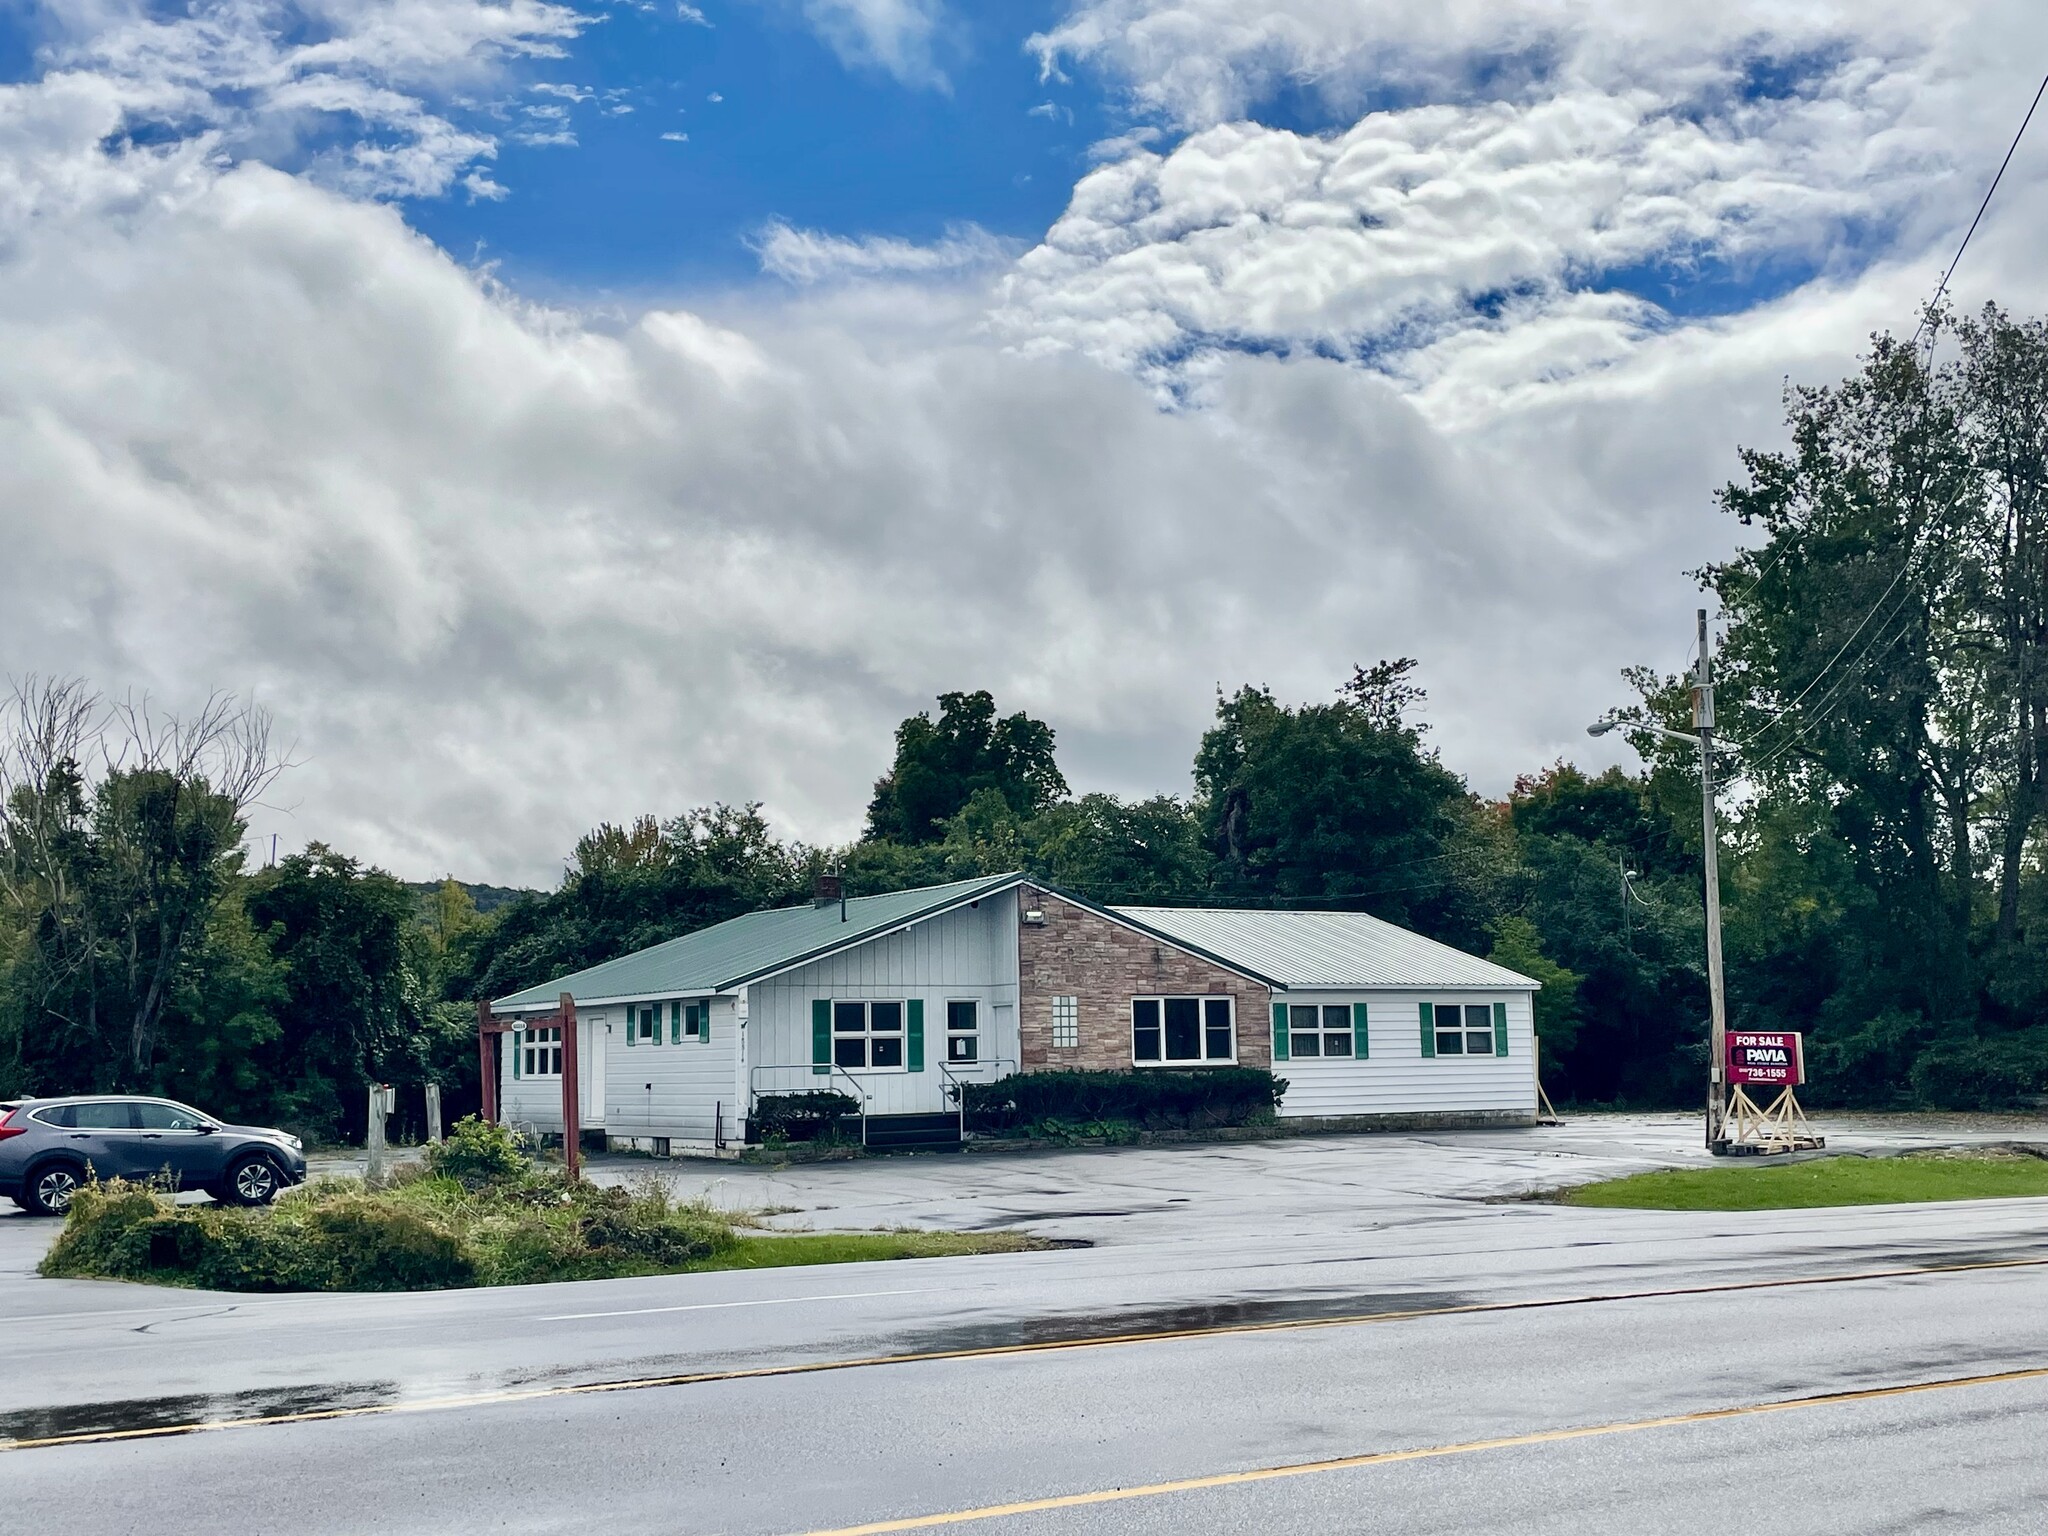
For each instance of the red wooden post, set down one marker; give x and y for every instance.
(486, 1063)
(572, 1095)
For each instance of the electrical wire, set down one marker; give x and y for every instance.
(2011, 149)
(1940, 291)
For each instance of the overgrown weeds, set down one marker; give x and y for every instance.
(482, 1212)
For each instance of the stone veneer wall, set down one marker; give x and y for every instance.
(1104, 965)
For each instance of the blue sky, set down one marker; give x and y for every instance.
(795, 134)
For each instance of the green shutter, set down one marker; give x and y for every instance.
(1280, 1032)
(1428, 1029)
(675, 1022)
(1360, 1046)
(821, 1037)
(514, 1038)
(632, 1025)
(916, 1051)
(704, 1021)
(1500, 1029)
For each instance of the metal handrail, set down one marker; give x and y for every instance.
(833, 1070)
(958, 1082)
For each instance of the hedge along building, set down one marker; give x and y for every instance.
(899, 999)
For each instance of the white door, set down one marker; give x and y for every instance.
(591, 1047)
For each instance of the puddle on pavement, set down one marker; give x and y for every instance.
(1245, 1312)
(190, 1411)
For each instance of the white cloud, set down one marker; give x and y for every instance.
(808, 256)
(691, 14)
(506, 569)
(676, 138)
(358, 107)
(899, 37)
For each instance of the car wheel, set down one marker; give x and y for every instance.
(252, 1181)
(51, 1187)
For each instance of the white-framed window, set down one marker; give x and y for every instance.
(1319, 1030)
(1182, 1031)
(1066, 1023)
(868, 1036)
(541, 1052)
(645, 1022)
(963, 1030)
(1464, 1029)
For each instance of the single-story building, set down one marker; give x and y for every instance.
(895, 999)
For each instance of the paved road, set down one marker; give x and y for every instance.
(480, 1413)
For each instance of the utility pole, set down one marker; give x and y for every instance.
(1717, 1048)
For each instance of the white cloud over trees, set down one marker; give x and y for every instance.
(505, 569)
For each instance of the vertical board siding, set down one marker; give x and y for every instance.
(968, 953)
(1397, 1079)
(674, 1092)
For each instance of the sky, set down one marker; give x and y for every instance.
(556, 412)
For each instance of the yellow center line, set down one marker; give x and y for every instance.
(1420, 1453)
(987, 1352)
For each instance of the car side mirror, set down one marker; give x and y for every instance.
(206, 1130)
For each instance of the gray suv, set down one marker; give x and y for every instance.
(48, 1147)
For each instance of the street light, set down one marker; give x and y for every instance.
(1703, 723)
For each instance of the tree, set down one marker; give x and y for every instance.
(120, 836)
(940, 765)
(1335, 803)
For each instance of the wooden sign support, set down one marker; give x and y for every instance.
(1759, 1132)
(564, 1019)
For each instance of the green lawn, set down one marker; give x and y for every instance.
(1765, 1186)
(774, 1250)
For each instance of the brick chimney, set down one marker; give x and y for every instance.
(827, 893)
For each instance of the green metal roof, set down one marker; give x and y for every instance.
(742, 949)
(1327, 949)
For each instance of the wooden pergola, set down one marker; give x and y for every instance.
(489, 1024)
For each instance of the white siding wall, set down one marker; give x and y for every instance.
(969, 953)
(1397, 1079)
(650, 1090)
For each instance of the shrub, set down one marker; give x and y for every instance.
(800, 1116)
(1982, 1074)
(478, 1154)
(1202, 1096)
(430, 1233)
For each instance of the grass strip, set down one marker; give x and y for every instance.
(1826, 1181)
(775, 1250)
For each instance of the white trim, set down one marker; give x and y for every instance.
(1201, 1023)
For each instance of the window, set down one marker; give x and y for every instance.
(1464, 1030)
(1066, 1023)
(868, 1035)
(646, 1023)
(696, 1020)
(1319, 1031)
(1175, 1030)
(168, 1117)
(542, 1053)
(963, 1030)
(119, 1115)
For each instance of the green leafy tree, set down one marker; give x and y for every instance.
(940, 765)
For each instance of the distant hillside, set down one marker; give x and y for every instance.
(488, 898)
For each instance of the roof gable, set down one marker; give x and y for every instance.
(753, 945)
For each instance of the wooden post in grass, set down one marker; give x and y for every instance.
(433, 1114)
(572, 1079)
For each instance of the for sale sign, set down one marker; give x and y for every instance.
(1775, 1060)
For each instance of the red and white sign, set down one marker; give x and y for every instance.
(1774, 1060)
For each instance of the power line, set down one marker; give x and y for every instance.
(1905, 565)
(1942, 287)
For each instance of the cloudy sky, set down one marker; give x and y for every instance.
(559, 411)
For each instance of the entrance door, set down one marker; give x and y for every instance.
(591, 1066)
